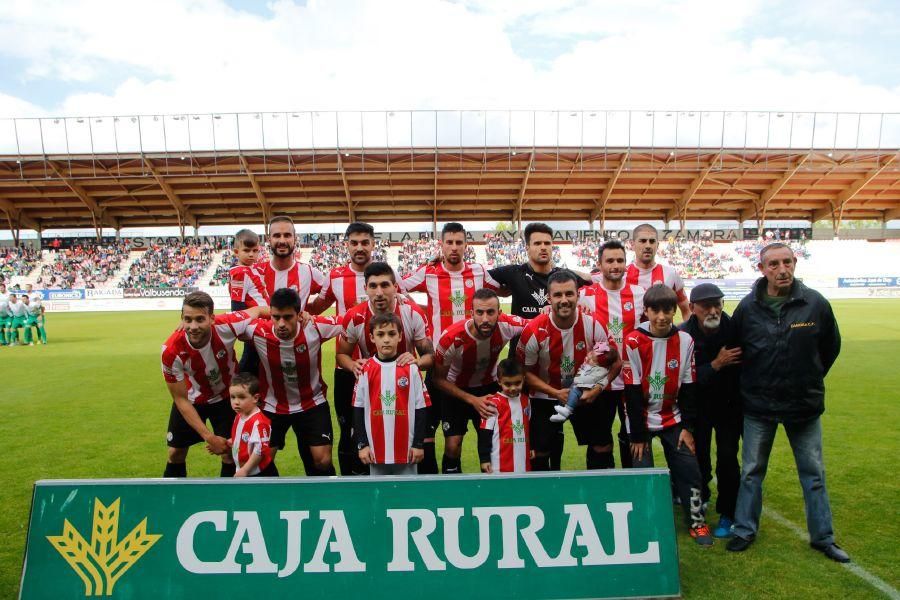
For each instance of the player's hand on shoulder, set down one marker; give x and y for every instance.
(485, 409)
(405, 359)
(358, 365)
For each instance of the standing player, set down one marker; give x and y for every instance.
(381, 290)
(618, 306)
(645, 272)
(659, 392)
(5, 316)
(450, 285)
(465, 363)
(551, 347)
(389, 404)
(503, 437)
(290, 373)
(283, 270)
(17, 312)
(198, 362)
(346, 287)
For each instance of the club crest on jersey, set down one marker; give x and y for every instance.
(672, 364)
(402, 382)
(301, 348)
(579, 346)
(220, 354)
(245, 437)
(470, 283)
(527, 411)
(629, 306)
(540, 296)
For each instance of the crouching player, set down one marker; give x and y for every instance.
(389, 404)
(659, 395)
(251, 430)
(503, 438)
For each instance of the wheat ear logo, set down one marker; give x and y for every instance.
(518, 427)
(388, 397)
(657, 381)
(105, 559)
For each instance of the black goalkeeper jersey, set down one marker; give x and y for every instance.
(528, 288)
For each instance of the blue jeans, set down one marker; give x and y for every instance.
(575, 393)
(806, 442)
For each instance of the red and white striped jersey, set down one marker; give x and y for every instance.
(390, 395)
(472, 361)
(510, 450)
(356, 327)
(619, 311)
(659, 366)
(665, 274)
(346, 288)
(554, 354)
(249, 436)
(207, 371)
(305, 279)
(449, 292)
(290, 371)
(245, 285)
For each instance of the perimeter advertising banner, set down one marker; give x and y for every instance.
(561, 535)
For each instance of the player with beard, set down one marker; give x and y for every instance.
(450, 284)
(618, 306)
(465, 365)
(346, 288)
(645, 272)
(552, 346)
(527, 285)
(281, 271)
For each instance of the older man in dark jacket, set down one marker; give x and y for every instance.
(718, 400)
(789, 340)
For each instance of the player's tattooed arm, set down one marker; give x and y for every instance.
(425, 348)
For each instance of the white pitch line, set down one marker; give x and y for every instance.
(873, 580)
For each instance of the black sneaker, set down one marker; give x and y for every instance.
(738, 544)
(834, 552)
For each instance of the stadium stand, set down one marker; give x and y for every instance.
(83, 266)
(17, 262)
(500, 252)
(179, 266)
(329, 254)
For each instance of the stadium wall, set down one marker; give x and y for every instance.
(80, 300)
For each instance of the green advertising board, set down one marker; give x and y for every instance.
(550, 535)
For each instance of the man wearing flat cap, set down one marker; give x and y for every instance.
(718, 400)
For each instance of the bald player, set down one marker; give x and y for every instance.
(645, 271)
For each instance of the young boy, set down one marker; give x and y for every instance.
(246, 288)
(503, 439)
(593, 372)
(659, 395)
(389, 404)
(251, 430)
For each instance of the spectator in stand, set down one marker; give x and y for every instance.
(82, 266)
(697, 259)
(17, 262)
(169, 266)
(415, 253)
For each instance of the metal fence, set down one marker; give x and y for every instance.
(512, 129)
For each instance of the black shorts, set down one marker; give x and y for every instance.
(344, 382)
(270, 471)
(312, 427)
(219, 414)
(545, 434)
(436, 396)
(593, 422)
(457, 414)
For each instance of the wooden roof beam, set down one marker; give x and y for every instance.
(260, 197)
(184, 213)
(520, 200)
(890, 215)
(600, 205)
(13, 213)
(351, 213)
(97, 212)
(836, 209)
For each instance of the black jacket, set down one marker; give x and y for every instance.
(713, 386)
(785, 356)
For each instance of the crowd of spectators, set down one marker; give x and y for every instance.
(17, 262)
(82, 266)
(499, 251)
(698, 259)
(329, 254)
(169, 266)
(750, 249)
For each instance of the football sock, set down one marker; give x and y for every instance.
(451, 465)
(175, 470)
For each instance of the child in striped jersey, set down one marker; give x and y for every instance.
(389, 404)
(503, 445)
(250, 433)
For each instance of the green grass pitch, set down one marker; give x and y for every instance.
(92, 404)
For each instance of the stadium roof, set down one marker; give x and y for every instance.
(444, 184)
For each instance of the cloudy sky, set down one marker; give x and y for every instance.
(93, 58)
